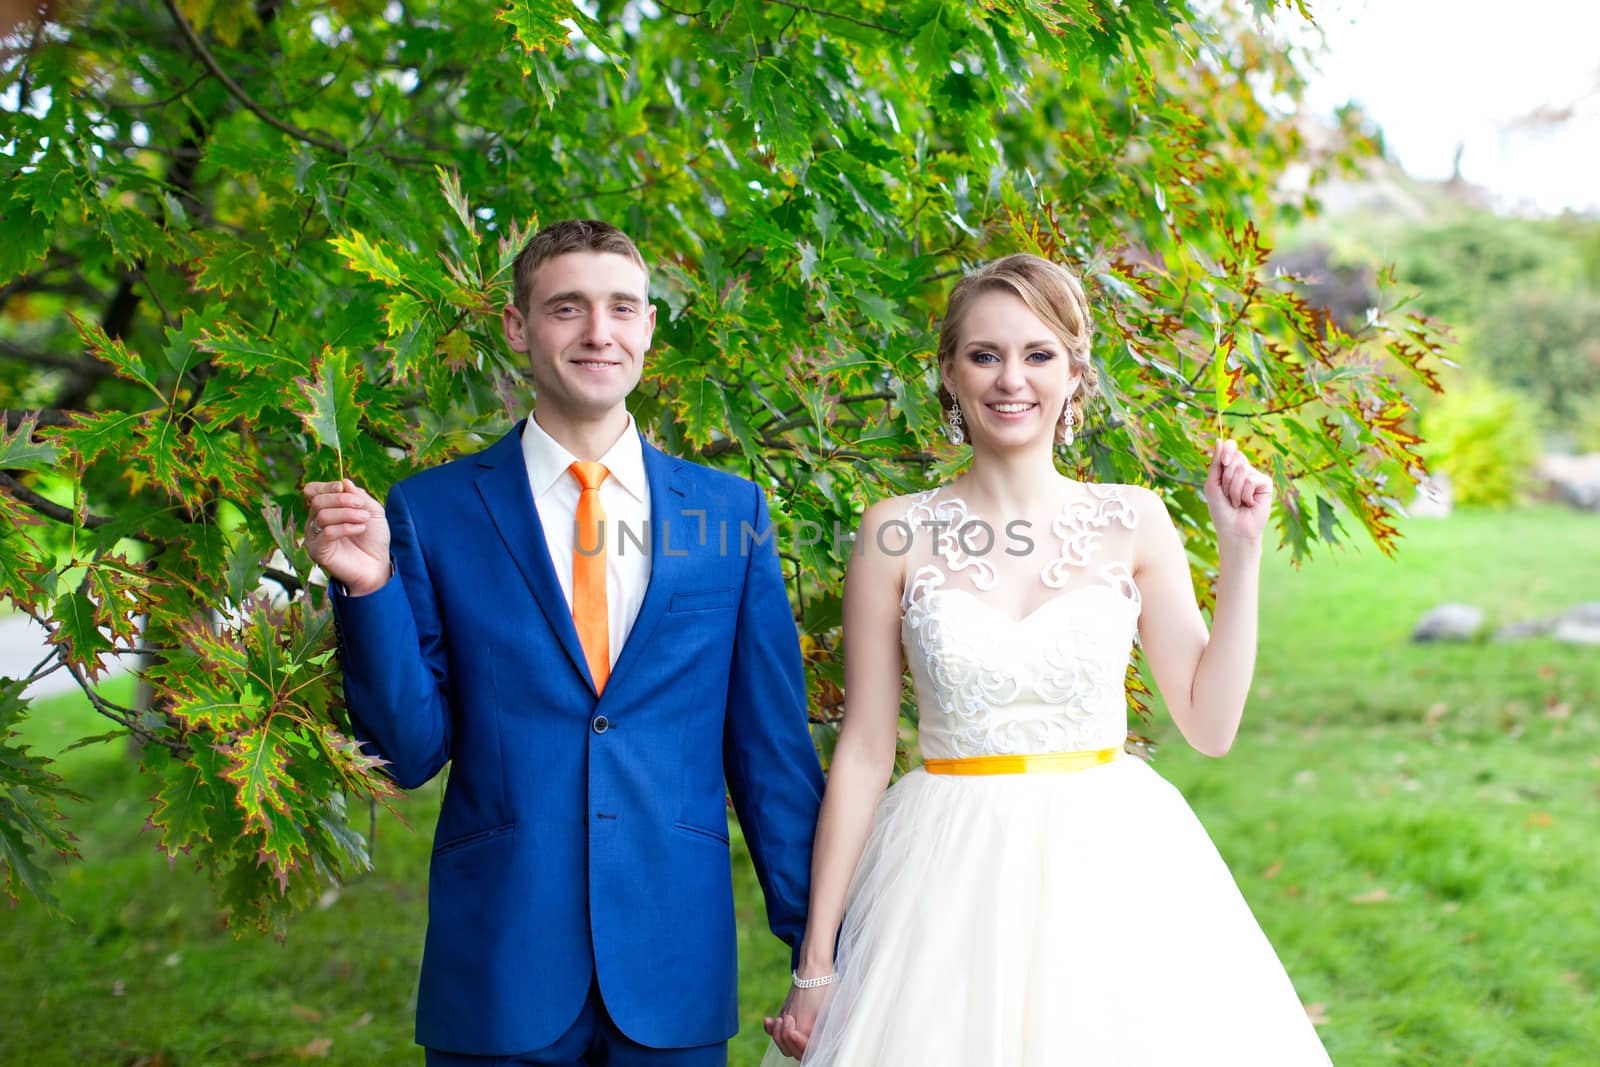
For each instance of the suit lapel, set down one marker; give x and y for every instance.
(672, 535)
(509, 500)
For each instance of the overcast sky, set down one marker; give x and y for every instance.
(1438, 73)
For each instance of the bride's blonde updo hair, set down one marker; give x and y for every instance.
(1051, 292)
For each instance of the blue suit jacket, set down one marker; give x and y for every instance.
(569, 847)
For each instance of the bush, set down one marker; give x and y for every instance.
(1465, 263)
(1546, 345)
(1585, 434)
(1485, 438)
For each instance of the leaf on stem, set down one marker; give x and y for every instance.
(334, 413)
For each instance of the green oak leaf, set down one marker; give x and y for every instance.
(334, 413)
(21, 452)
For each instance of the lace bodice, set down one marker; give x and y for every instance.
(989, 682)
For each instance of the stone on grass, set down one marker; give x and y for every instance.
(1587, 613)
(1573, 480)
(1450, 622)
(1577, 632)
(1579, 625)
(1517, 631)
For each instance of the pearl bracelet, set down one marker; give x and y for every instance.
(810, 983)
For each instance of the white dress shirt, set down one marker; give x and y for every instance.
(625, 496)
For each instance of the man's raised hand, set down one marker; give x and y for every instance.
(347, 535)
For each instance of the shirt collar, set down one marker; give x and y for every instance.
(548, 460)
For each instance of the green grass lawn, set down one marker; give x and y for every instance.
(1414, 826)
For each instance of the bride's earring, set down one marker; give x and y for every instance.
(952, 423)
(1066, 426)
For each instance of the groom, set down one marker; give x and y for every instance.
(596, 637)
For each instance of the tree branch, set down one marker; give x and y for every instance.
(118, 317)
(795, 417)
(240, 95)
(15, 417)
(929, 279)
(127, 718)
(34, 283)
(1293, 405)
(49, 508)
(289, 582)
(44, 668)
(51, 359)
(124, 717)
(1090, 433)
(133, 105)
(821, 13)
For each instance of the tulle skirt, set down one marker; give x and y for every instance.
(1027, 920)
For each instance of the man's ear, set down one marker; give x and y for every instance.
(515, 327)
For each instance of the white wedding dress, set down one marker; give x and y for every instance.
(1079, 919)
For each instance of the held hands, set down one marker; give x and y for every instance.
(347, 535)
(1240, 496)
(791, 1030)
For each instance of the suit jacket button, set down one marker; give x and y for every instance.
(600, 724)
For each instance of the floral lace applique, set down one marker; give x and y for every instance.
(1049, 681)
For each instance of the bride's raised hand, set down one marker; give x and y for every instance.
(1239, 495)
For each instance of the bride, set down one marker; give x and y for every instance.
(1030, 896)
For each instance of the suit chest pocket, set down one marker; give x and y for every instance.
(687, 601)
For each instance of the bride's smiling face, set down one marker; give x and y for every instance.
(1009, 372)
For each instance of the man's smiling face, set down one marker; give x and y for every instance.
(585, 330)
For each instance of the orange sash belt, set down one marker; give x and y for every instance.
(1027, 763)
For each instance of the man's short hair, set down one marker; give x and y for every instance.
(559, 238)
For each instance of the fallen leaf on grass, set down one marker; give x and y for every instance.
(1272, 870)
(363, 1020)
(310, 1015)
(1541, 818)
(1376, 896)
(315, 1049)
(1558, 709)
(1317, 1013)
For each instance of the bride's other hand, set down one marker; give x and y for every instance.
(1239, 495)
(791, 1030)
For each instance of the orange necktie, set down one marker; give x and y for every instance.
(589, 573)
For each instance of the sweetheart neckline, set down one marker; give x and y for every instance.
(1058, 597)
